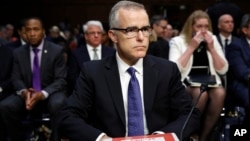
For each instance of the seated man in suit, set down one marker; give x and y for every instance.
(92, 50)
(225, 27)
(129, 93)
(38, 77)
(6, 59)
(160, 47)
(238, 56)
(22, 37)
(225, 37)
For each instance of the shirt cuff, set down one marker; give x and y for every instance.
(46, 94)
(100, 136)
(1, 89)
(158, 132)
(20, 92)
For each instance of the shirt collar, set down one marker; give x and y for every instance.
(248, 41)
(223, 37)
(22, 41)
(123, 67)
(90, 48)
(40, 46)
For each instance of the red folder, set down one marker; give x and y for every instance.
(156, 137)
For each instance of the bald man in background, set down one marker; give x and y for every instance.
(225, 27)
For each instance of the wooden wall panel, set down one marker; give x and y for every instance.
(79, 11)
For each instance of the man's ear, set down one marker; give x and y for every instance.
(44, 33)
(112, 36)
(218, 26)
(154, 26)
(244, 30)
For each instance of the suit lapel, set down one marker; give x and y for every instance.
(246, 49)
(44, 57)
(104, 51)
(113, 79)
(219, 39)
(27, 65)
(150, 75)
(85, 54)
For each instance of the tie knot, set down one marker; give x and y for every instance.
(131, 71)
(36, 50)
(94, 49)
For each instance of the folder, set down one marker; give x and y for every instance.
(155, 137)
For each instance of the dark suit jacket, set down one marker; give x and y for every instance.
(6, 59)
(159, 48)
(234, 38)
(78, 57)
(53, 69)
(97, 101)
(238, 56)
(15, 44)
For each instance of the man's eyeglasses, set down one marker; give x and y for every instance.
(94, 33)
(163, 27)
(132, 32)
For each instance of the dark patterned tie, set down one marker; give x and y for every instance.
(95, 54)
(135, 112)
(36, 71)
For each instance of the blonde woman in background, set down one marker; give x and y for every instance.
(197, 46)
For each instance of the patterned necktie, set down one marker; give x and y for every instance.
(36, 71)
(135, 113)
(95, 54)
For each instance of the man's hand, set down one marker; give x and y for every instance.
(27, 95)
(35, 96)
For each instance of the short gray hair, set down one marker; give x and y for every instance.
(156, 19)
(125, 4)
(245, 21)
(92, 22)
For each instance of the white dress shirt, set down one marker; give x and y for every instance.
(229, 38)
(91, 51)
(124, 79)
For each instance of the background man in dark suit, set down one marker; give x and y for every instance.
(225, 36)
(22, 36)
(160, 47)
(6, 59)
(238, 56)
(99, 107)
(49, 93)
(225, 27)
(93, 31)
